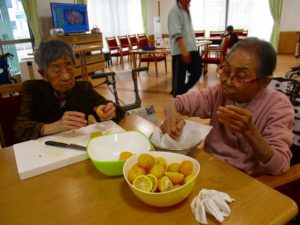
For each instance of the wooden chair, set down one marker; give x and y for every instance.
(215, 56)
(199, 33)
(115, 50)
(10, 101)
(124, 45)
(143, 37)
(216, 33)
(133, 41)
(151, 57)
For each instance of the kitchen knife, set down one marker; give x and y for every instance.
(65, 145)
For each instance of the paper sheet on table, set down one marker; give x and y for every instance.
(192, 134)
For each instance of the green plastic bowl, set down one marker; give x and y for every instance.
(104, 151)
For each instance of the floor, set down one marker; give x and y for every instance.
(155, 90)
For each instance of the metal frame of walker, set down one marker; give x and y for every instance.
(110, 80)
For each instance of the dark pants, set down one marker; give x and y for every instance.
(180, 70)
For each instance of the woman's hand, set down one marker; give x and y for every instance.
(235, 118)
(173, 126)
(70, 120)
(106, 112)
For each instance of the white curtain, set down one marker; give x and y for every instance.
(116, 17)
(208, 15)
(251, 15)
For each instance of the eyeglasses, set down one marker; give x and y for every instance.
(239, 75)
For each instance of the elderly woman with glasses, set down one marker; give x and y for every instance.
(252, 124)
(58, 102)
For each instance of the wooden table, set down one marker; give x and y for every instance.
(80, 194)
(81, 50)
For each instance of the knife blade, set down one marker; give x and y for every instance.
(65, 145)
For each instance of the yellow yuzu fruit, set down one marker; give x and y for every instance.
(175, 177)
(186, 167)
(164, 184)
(173, 167)
(158, 171)
(100, 112)
(154, 181)
(125, 155)
(146, 161)
(134, 172)
(188, 178)
(160, 161)
(96, 134)
(143, 183)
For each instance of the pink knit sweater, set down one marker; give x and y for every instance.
(273, 115)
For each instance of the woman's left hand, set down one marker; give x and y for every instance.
(106, 112)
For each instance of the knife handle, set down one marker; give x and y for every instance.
(56, 144)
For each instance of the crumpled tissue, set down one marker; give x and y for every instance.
(212, 202)
(192, 134)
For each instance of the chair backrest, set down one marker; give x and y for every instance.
(112, 43)
(216, 33)
(199, 33)
(142, 36)
(245, 33)
(133, 40)
(143, 43)
(124, 42)
(291, 88)
(9, 110)
(238, 32)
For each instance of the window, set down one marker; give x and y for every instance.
(251, 15)
(208, 15)
(15, 36)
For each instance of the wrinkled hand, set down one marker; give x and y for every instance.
(173, 126)
(71, 120)
(235, 118)
(106, 112)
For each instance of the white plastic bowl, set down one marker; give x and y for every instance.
(104, 151)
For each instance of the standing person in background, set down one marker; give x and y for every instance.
(186, 61)
(232, 36)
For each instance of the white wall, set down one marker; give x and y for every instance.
(290, 19)
(44, 13)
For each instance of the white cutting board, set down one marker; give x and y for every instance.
(34, 157)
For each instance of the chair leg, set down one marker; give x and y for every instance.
(139, 67)
(156, 68)
(166, 69)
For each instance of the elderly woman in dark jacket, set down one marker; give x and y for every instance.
(59, 103)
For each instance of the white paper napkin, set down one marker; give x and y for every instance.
(212, 202)
(191, 135)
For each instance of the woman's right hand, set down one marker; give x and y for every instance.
(173, 126)
(70, 120)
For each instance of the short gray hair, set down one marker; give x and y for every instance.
(262, 51)
(50, 51)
